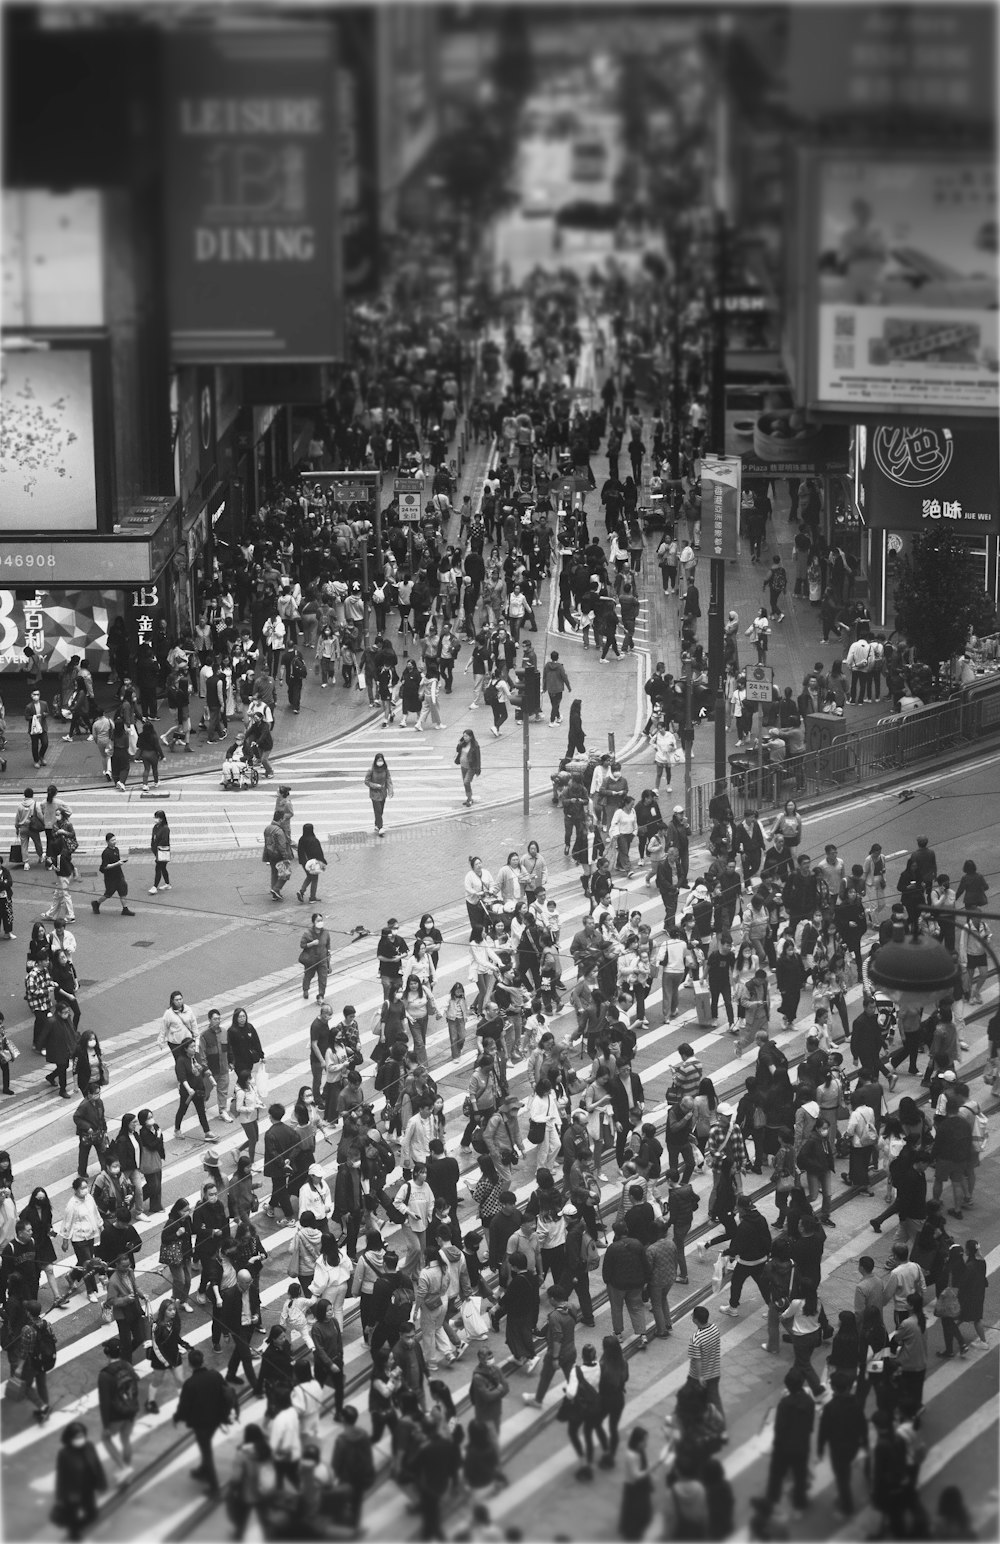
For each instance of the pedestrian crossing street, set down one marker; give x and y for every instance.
(327, 783)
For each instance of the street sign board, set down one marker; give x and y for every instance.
(409, 493)
(759, 682)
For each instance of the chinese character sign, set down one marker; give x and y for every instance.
(720, 505)
(916, 476)
(57, 625)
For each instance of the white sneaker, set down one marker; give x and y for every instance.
(225, 1115)
(154, 889)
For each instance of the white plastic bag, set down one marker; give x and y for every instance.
(260, 1080)
(475, 1318)
(718, 1274)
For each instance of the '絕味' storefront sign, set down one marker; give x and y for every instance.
(911, 478)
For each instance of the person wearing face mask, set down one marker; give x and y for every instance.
(151, 1158)
(81, 1228)
(80, 1479)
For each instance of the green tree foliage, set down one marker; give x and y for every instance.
(939, 597)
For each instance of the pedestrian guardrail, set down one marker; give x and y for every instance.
(850, 760)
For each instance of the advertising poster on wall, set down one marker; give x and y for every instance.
(48, 479)
(917, 478)
(253, 243)
(58, 625)
(903, 290)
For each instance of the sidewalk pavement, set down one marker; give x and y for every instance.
(325, 715)
(795, 646)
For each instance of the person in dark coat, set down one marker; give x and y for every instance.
(205, 1404)
(279, 1143)
(237, 1319)
(58, 1040)
(347, 1201)
(844, 1429)
(80, 1479)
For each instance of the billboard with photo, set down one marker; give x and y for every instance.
(900, 291)
(253, 243)
(48, 472)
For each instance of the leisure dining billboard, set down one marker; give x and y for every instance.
(252, 229)
(900, 291)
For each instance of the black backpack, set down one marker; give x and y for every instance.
(46, 1346)
(124, 1391)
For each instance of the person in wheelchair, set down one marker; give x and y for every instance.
(240, 766)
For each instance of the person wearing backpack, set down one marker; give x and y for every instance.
(580, 1259)
(36, 1353)
(582, 1394)
(862, 1134)
(118, 1399)
(971, 1111)
(205, 1404)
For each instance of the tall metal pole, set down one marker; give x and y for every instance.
(363, 544)
(525, 754)
(687, 732)
(716, 663)
(717, 606)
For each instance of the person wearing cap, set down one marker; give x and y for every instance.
(678, 835)
(315, 1197)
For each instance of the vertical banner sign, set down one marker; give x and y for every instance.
(253, 240)
(357, 170)
(720, 505)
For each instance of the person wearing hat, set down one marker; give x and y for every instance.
(502, 1135)
(315, 1197)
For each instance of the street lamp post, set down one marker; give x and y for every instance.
(916, 970)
